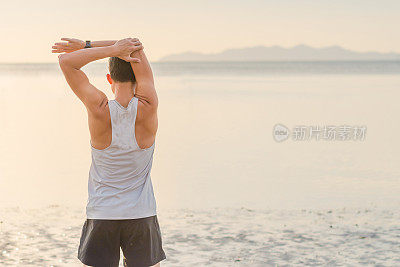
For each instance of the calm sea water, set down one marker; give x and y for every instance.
(233, 68)
(215, 146)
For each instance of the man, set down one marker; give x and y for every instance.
(121, 207)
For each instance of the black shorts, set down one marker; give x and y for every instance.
(140, 240)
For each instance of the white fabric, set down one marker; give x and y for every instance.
(119, 183)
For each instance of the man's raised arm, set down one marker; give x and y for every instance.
(145, 90)
(71, 64)
(73, 44)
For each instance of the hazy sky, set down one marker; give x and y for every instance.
(28, 28)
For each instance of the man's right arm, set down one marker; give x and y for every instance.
(145, 92)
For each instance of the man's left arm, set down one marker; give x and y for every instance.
(72, 44)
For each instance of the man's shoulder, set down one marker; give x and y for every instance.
(101, 110)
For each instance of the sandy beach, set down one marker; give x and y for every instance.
(49, 236)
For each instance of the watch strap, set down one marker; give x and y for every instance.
(88, 44)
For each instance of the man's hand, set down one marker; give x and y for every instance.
(71, 45)
(125, 48)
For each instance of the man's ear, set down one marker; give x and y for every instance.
(109, 79)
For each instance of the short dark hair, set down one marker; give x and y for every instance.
(120, 70)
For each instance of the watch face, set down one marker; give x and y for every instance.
(88, 44)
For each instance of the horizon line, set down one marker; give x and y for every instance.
(286, 47)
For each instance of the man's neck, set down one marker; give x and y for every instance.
(124, 93)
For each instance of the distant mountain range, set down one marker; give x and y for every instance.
(277, 53)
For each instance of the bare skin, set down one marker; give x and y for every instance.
(74, 57)
(96, 102)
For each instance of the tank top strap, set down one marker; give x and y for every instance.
(133, 108)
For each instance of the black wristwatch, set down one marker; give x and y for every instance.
(88, 44)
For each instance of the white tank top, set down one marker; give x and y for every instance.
(119, 185)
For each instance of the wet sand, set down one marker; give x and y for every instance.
(218, 237)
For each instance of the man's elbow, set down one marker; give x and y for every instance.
(63, 60)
